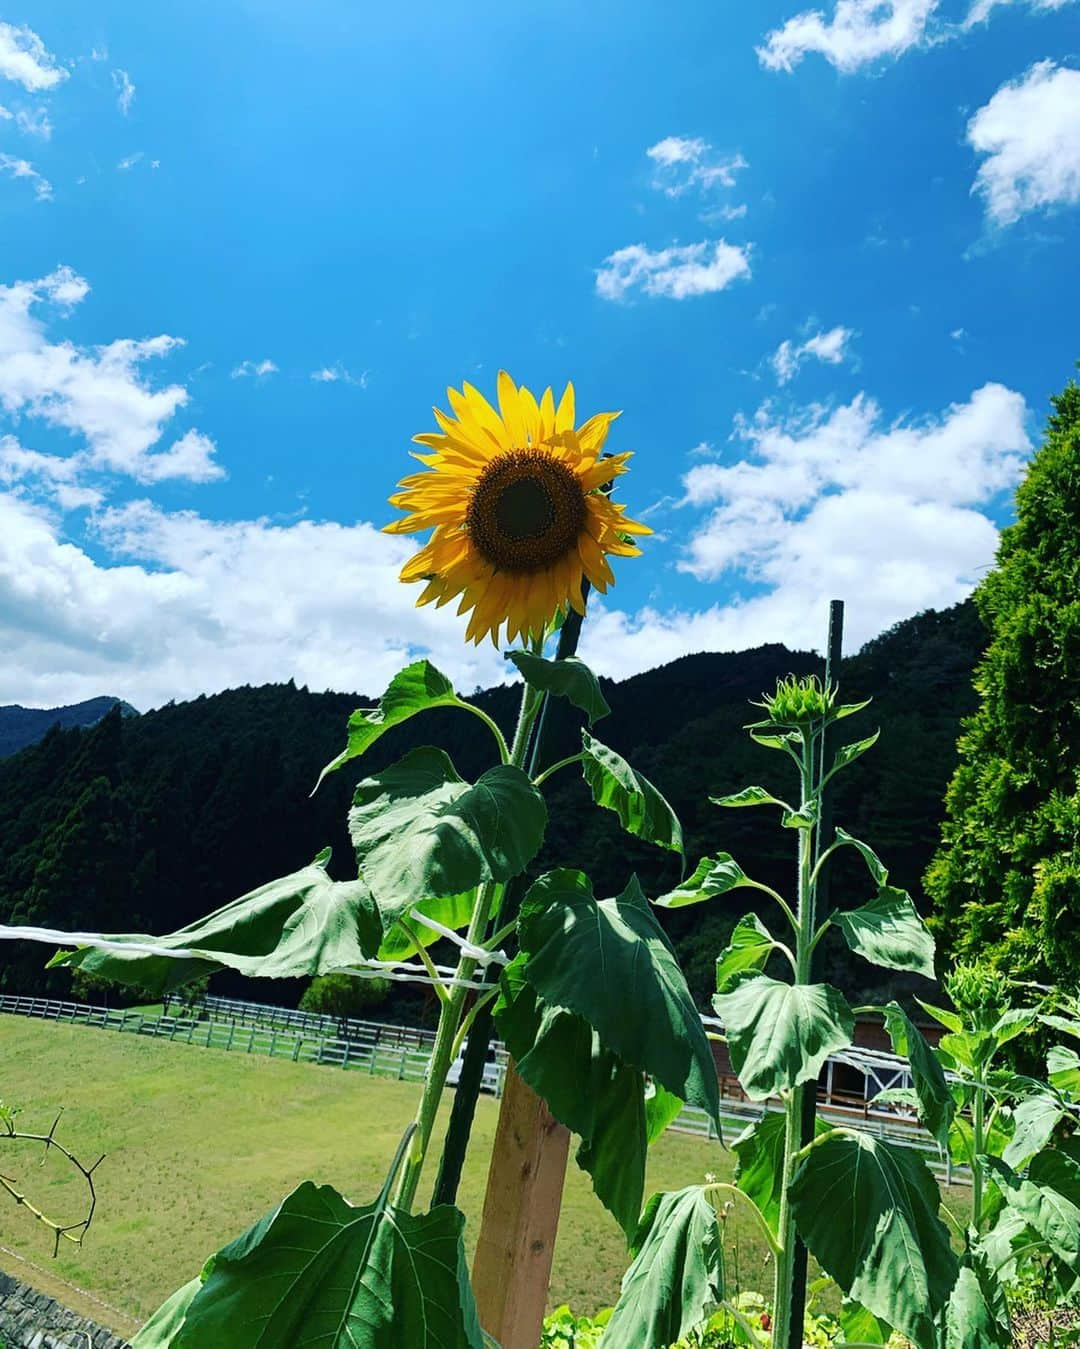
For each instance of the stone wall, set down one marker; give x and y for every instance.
(32, 1320)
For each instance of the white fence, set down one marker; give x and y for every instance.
(404, 1052)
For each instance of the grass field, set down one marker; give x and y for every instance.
(201, 1142)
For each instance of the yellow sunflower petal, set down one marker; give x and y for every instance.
(530, 415)
(564, 416)
(594, 432)
(547, 414)
(486, 417)
(510, 408)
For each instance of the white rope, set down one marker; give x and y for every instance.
(56, 938)
(480, 954)
(416, 975)
(399, 970)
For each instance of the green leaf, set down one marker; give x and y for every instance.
(639, 806)
(422, 832)
(453, 911)
(759, 1172)
(977, 1316)
(847, 754)
(587, 1088)
(750, 796)
(319, 1272)
(936, 1104)
(877, 868)
(786, 742)
(662, 1108)
(569, 678)
(780, 1034)
(415, 689)
(888, 931)
(950, 1020)
(860, 1326)
(167, 1322)
(303, 924)
(1054, 1216)
(750, 947)
(868, 1211)
(1061, 1023)
(677, 1276)
(1063, 1066)
(712, 877)
(1059, 1168)
(610, 962)
(838, 714)
(1034, 1120)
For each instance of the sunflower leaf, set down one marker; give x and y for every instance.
(319, 1271)
(712, 876)
(888, 931)
(302, 924)
(677, 1277)
(618, 787)
(422, 832)
(936, 1104)
(415, 689)
(749, 949)
(569, 678)
(868, 1211)
(780, 1034)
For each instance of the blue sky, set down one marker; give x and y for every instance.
(824, 260)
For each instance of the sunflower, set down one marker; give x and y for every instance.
(517, 505)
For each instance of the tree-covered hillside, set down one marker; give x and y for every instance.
(22, 726)
(147, 823)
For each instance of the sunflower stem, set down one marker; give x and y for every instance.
(448, 1033)
(563, 763)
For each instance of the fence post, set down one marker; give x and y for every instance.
(251, 1039)
(273, 1041)
(296, 1048)
(345, 1060)
(318, 1056)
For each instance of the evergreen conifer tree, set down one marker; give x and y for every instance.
(1006, 879)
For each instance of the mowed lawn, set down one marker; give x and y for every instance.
(201, 1142)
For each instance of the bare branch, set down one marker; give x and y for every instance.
(73, 1232)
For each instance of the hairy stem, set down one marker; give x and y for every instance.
(793, 1105)
(449, 1032)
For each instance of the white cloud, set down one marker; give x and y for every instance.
(5, 115)
(190, 458)
(22, 168)
(125, 90)
(892, 518)
(34, 122)
(99, 393)
(187, 605)
(129, 161)
(980, 11)
(337, 373)
(683, 163)
(859, 32)
(25, 59)
(830, 347)
(677, 273)
(1030, 133)
(255, 369)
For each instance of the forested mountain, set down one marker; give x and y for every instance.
(22, 726)
(147, 823)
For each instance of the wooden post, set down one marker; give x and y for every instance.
(512, 1268)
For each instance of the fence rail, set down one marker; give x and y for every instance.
(393, 1051)
(309, 1023)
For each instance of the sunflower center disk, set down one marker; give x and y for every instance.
(526, 511)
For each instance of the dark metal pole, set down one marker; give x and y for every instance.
(833, 654)
(479, 1038)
